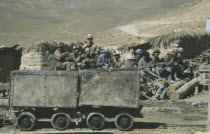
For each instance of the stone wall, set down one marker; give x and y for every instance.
(40, 56)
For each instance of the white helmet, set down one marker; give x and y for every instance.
(116, 52)
(181, 50)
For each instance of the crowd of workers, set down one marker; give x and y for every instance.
(171, 66)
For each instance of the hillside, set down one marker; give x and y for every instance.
(28, 21)
(192, 15)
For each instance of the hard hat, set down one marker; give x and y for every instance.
(90, 36)
(106, 50)
(170, 52)
(116, 52)
(146, 54)
(75, 47)
(138, 51)
(59, 44)
(132, 58)
(87, 49)
(180, 50)
(175, 50)
(156, 51)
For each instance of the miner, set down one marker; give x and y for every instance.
(74, 58)
(60, 58)
(104, 60)
(130, 63)
(116, 61)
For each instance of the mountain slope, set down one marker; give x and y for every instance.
(25, 21)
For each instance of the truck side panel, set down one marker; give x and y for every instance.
(104, 88)
(29, 90)
(56, 89)
(61, 91)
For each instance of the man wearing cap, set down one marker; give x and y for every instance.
(170, 64)
(104, 60)
(88, 61)
(116, 61)
(146, 62)
(130, 63)
(90, 44)
(60, 58)
(74, 58)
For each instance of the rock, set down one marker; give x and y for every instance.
(196, 104)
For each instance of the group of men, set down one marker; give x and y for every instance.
(86, 57)
(170, 66)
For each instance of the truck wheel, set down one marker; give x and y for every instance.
(124, 121)
(60, 121)
(26, 121)
(95, 121)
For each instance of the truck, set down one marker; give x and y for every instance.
(93, 97)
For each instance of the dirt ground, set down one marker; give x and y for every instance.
(186, 116)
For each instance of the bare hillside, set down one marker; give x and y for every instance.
(26, 21)
(191, 16)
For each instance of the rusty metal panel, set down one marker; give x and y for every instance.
(105, 88)
(44, 89)
(28, 90)
(61, 91)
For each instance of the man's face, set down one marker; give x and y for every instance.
(170, 56)
(87, 52)
(156, 54)
(90, 40)
(139, 55)
(116, 57)
(132, 62)
(145, 57)
(76, 51)
(59, 48)
(181, 54)
(105, 54)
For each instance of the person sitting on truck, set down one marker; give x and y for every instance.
(60, 58)
(130, 63)
(146, 62)
(93, 47)
(104, 60)
(74, 58)
(138, 55)
(88, 60)
(116, 61)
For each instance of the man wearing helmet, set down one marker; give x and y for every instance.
(146, 62)
(60, 58)
(130, 63)
(104, 60)
(182, 62)
(74, 58)
(138, 55)
(90, 44)
(88, 61)
(116, 61)
(170, 65)
(158, 63)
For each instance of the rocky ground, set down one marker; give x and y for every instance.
(186, 116)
